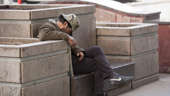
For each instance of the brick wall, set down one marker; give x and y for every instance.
(164, 45)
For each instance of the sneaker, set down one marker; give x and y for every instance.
(121, 80)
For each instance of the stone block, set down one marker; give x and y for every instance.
(53, 86)
(126, 42)
(125, 29)
(121, 89)
(23, 12)
(27, 62)
(145, 80)
(124, 68)
(126, 39)
(146, 63)
(82, 85)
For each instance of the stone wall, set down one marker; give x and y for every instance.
(131, 42)
(29, 67)
(24, 20)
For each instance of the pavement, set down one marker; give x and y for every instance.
(157, 88)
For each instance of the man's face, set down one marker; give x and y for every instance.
(64, 27)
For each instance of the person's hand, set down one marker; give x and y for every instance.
(72, 41)
(80, 55)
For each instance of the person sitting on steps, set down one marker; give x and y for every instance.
(84, 60)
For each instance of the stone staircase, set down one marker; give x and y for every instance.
(82, 85)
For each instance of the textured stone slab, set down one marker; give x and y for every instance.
(44, 66)
(86, 33)
(17, 41)
(124, 68)
(127, 40)
(146, 80)
(82, 85)
(53, 12)
(54, 86)
(115, 45)
(119, 90)
(18, 49)
(146, 63)
(32, 61)
(125, 29)
(15, 29)
(27, 12)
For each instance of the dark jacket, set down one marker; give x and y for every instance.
(50, 31)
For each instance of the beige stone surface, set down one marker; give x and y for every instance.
(33, 61)
(146, 63)
(128, 46)
(115, 45)
(42, 47)
(19, 49)
(15, 29)
(53, 86)
(9, 70)
(7, 14)
(82, 85)
(125, 29)
(119, 90)
(44, 66)
(53, 12)
(28, 12)
(86, 33)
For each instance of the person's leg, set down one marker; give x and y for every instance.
(103, 64)
(104, 68)
(88, 65)
(95, 61)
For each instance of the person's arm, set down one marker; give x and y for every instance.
(77, 50)
(46, 32)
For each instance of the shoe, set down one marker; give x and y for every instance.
(120, 79)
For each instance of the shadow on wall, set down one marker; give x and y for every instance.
(125, 1)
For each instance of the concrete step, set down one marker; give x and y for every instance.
(83, 85)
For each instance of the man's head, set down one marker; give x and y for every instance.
(68, 23)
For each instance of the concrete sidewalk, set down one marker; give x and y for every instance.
(158, 88)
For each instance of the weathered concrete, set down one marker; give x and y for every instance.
(131, 42)
(127, 39)
(55, 86)
(32, 68)
(24, 20)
